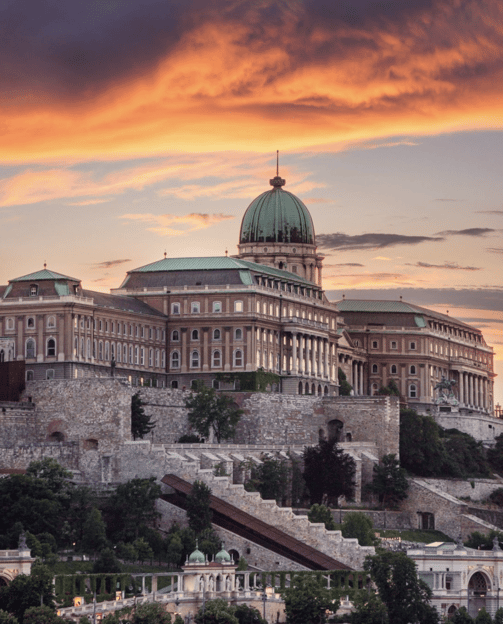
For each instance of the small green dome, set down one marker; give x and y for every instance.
(222, 556)
(277, 216)
(197, 556)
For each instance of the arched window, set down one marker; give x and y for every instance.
(373, 389)
(142, 356)
(157, 358)
(175, 335)
(175, 308)
(412, 370)
(119, 352)
(238, 306)
(393, 369)
(9, 323)
(258, 307)
(216, 359)
(51, 321)
(217, 306)
(30, 348)
(51, 347)
(195, 307)
(301, 387)
(375, 368)
(175, 359)
(124, 354)
(30, 322)
(375, 344)
(413, 391)
(151, 358)
(136, 355)
(195, 334)
(107, 351)
(238, 357)
(217, 335)
(194, 359)
(100, 350)
(163, 358)
(238, 334)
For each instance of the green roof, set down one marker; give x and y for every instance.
(277, 216)
(213, 263)
(44, 274)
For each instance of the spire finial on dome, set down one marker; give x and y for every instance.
(277, 182)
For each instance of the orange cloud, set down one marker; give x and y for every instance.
(299, 83)
(182, 224)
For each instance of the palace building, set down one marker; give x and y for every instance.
(218, 319)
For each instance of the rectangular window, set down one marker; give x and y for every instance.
(217, 306)
(195, 307)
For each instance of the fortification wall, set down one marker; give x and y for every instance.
(482, 427)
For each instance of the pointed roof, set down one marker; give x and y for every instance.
(44, 274)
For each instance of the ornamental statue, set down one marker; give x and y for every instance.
(445, 392)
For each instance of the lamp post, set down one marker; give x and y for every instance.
(264, 598)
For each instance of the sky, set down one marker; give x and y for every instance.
(132, 129)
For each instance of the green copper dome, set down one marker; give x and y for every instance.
(277, 216)
(222, 556)
(197, 556)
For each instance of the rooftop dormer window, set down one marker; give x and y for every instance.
(33, 290)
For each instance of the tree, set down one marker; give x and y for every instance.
(141, 424)
(421, 449)
(127, 552)
(359, 526)
(462, 617)
(320, 513)
(498, 616)
(143, 549)
(483, 617)
(51, 472)
(42, 615)
(198, 507)
(248, 615)
(390, 390)
(94, 532)
(495, 454)
(152, 613)
(211, 410)
(133, 505)
(28, 591)
(328, 472)
(405, 595)
(270, 478)
(389, 482)
(107, 563)
(369, 609)
(307, 600)
(7, 618)
(344, 386)
(216, 612)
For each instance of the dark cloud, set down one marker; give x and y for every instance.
(447, 265)
(476, 298)
(107, 264)
(338, 240)
(474, 319)
(495, 212)
(467, 232)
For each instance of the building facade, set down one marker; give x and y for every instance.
(179, 320)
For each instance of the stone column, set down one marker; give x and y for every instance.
(205, 352)
(250, 351)
(360, 378)
(294, 353)
(327, 347)
(227, 364)
(460, 389)
(40, 338)
(320, 355)
(183, 352)
(470, 382)
(354, 381)
(301, 353)
(313, 356)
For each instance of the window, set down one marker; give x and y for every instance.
(131, 358)
(217, 334)
(175, 359)
(375, 368)
(393, 369)
(412, 346)
(30, 348)
(175, 308)
(142, 331)
(33, 290)
(51, 347)
(413, 370)
(51, 322)
(151, 358)
(195, 334)
(30, 322)
(413, 391)
(393, 344)
(88, 348)
(217, 306)
(119, 352)
(195, 307)
(29, 375)
(106, 326)
(142, 356)
(136, 355)
(238, 358)
(194, 359)
(112, 351)
(157, 358)
(216, 360)
(49, 374)
(163, 358)
(107, 351)
(175, 335)
(374, 344)
(238, 306)
(124, 354)
(9, 323)
(174, 384)
(238, 334)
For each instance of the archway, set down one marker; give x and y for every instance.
(57, 436)
(307, 388)
(477, 592)
(451, 611)
(3, 581)
(300, 387)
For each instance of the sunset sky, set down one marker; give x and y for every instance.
(128, 129)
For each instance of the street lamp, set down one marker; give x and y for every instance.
(264, 598)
